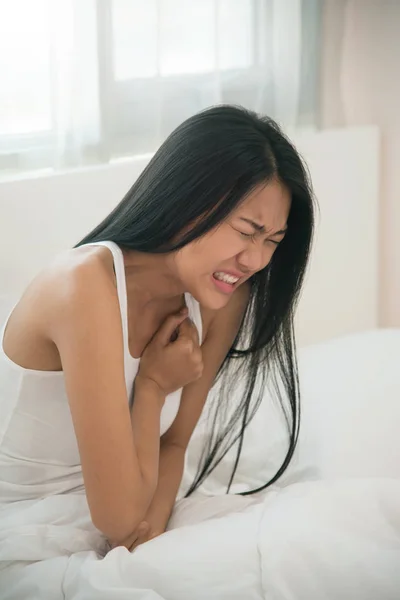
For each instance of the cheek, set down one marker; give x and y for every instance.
(222, 244)
(193, 260)
(269, 253)
(203, 256)
(216, 248)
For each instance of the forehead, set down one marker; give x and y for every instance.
(268, 204)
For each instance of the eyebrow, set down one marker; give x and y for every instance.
(261, 228)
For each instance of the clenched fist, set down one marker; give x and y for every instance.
(173, 357)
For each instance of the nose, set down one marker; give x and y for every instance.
(254, 258)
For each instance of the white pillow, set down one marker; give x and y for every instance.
(350, 398)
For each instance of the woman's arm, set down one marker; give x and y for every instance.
(222, 327)
(84, 322)
(120, 467)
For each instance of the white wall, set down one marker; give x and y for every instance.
(341, 291)
(42, 216)
(361, 85)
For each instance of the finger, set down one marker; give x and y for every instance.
(197, 356)
(166, 330)
(185, 344)
(143, 528)
(146, 538)
(140, 540)
(188, 328)
(135, 544)
(141, 532)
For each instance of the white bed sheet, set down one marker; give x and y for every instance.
(329, 531)
(309, 541)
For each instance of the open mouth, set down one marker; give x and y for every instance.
(225, 282)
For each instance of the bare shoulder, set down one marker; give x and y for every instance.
(78, 277)
(230, 316)
(64, 289)
(71, 276)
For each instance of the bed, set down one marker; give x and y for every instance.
(328, 530)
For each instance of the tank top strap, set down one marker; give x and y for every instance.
(119, 269)
(195, 314)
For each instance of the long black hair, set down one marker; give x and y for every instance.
(201, 173)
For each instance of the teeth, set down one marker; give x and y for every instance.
(225, 277)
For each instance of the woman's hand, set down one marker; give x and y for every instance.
(173, 357)
(143, 533)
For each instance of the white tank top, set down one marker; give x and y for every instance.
(39, 454)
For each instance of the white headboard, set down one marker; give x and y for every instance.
(42, 216)
(341, 291)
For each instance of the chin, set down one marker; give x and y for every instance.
(210, 299)
(207, 295)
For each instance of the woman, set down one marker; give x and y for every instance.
(197, 270)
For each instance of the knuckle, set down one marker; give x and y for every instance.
(184, 343)
(198, 368)
(188, 345)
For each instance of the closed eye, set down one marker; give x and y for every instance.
(246, 235)
(243, 233)
(252, 235)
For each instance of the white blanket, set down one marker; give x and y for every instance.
(329, 531)
(309, 541)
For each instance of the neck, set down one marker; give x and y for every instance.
(151, 278)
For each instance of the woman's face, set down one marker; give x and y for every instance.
(213, 266)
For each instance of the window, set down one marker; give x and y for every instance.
(25, 90)
(91, 81)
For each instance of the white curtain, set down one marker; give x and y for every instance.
(87, 81)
